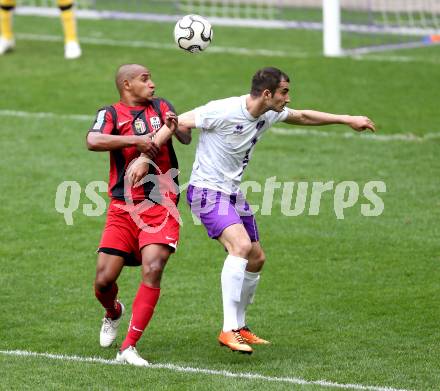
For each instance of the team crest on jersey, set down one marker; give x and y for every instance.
(155, 123)
(238, 129)
(140, 127)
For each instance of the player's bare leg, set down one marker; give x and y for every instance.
(236, 241)
(154, 259)
(108, 269)
(256, 261)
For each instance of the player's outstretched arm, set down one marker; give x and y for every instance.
(318, 118)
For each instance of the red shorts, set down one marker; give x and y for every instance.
(126, 237)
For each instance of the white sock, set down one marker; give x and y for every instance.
(250, 283)
(232, 281)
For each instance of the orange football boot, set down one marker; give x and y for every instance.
(250, 338)
(234, 341)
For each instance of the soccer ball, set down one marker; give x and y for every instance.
(193, 33)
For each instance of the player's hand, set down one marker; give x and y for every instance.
(147, 146)
(171, 120)
(136, 171)
(360, 123)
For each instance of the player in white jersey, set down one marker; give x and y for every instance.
(229, 134)
(230, 128)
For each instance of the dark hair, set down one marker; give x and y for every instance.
(267, 79)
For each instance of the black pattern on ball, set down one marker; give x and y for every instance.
(193, 33)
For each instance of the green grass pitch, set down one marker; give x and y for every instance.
(352, 301)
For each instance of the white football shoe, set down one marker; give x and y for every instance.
(109, 329)
(131, 356)
(72, 50)
(6, 45)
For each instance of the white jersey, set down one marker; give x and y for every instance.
(228, 136)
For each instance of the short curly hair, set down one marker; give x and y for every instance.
(267, 79)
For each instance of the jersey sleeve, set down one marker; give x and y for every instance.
(165, 106)
(104, 122)
(209, 116)
(278, 117)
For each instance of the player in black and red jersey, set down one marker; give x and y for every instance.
(142, 225)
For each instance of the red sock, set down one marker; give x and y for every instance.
(108, 301)
(143, 308)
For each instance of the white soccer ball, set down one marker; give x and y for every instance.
(193, 33)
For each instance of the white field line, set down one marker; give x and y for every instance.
(394, 58)
(36, 115)
(203, 371)
(234, 22)
(281, 131)
(364, 136)
(169, 46)
(222, 49)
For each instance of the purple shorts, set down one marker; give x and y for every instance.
(218, 210)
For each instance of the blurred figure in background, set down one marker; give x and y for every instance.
(72, 48)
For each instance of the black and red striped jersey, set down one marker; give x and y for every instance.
(119, 119)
